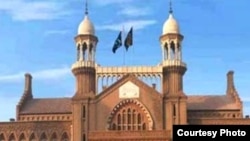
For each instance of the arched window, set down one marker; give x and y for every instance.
(172, 46)
(91, 52)
(43, 137)
(84, 48)
(134, 119)
(12, 137)
(78, 52)
(65, 137)
(84, 137)
(119, 121)
(144, 126)
(174, 110)
(32, 137)
(83, 111)
(165, 51)
(139, 121)
(124, 115)
(2, 137)
(129, 117)
(22, 137)
(54, 137)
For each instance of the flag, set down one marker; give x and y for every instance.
(129, 39)
(118, 42)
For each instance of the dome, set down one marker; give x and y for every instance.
(171, 25)
(86, 27)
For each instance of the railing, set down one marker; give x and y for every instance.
(137, 70)
(173, 63)
(79, 64)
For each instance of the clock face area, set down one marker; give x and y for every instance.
(129, 90)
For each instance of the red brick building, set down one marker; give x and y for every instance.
(129, 108)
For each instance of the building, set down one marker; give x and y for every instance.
(129, 109)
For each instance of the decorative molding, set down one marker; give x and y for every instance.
(36, 128)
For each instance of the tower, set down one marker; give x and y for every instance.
(85, 73)
(174, 99)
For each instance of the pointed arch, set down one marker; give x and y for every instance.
(172, 49)
(2, 137)
(91, 47)
(43, 137)
(65, 137)
(22, 137)
(32, 137)
(91, 52)
(84, 48)
(12, 137)
(172, 45)
(78, 52)
(119, 116)
(54, 137)
(165, 51)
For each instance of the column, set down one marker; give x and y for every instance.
(176, 50)
(169, 51)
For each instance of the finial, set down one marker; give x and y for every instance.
(86, 7)
(170, 7)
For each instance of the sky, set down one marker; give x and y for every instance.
(37, 36)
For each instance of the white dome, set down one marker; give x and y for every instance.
(170, 26)
(86, 27)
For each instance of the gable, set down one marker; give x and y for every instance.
(128, 88)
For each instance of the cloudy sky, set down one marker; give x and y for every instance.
(37, 36)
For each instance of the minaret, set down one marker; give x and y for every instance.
(85, 72)
(174, 99)
(84, 67)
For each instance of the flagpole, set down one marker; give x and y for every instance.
(133, 52)
(124, 57)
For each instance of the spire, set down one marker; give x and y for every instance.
(170, 7)
(86, 7)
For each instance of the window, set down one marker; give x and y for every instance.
(129, 117)
(78, 52)
(43, 137)
(54, 137)
(83, 112)
(32, 137)
(65, 137)
(234, 116)
(12, 137)
(84, 137)
(2, 137)
(174, 110)
(22, 138)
